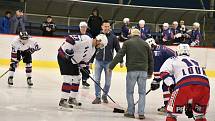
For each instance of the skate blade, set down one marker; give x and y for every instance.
(85, 87)
(65, 108)
(161, 113)
(10, 86)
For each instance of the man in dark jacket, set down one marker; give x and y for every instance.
(5, 23)
(103, 58)
(17, 22)
(48, 27)
(139, 63)
(94, 23)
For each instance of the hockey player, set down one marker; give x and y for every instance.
(22, 48)
(83, 31)
(76, 49)
(191, 88)
(160, 54)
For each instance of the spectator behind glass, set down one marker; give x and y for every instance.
(175, 30)
(94, 23)
(5, 23)
(125, 30)
(180, 24)
(167, 35)
(195, 35)
(145, 31)
(48, 27)
(17, 22)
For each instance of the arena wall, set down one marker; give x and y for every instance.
(47, 56)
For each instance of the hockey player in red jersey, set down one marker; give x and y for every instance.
(191, 88)
(77, 49)
(22, 48)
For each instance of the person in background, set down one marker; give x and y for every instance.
(175, 30)
(94, 23)
(5, 23)
(145, 31)
(103, 58)
(195, 35)
(17, 22)
(139, 63)
(83, 31)
(167, 35)
(48, 27)
(125, 29)
(181, 23)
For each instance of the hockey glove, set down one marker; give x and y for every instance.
(155, 84)
(13, 65)
(171, 88)
(69, 53)
(189, 111)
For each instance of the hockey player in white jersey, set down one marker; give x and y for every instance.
(22, 48)
(75, 50)
(190, 89)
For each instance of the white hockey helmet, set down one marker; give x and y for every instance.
(126, 20)
(24, 37)
(151, 42)
(83, 24)
(183, 49)
(103, 40)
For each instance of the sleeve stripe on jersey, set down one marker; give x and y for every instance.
(164, 75)
(13, 55)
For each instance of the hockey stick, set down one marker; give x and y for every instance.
(7, 70)
(146, 94)
(116, 109)
(4, 73)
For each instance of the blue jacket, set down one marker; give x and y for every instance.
(5, 25)
(145, 33)
(107, 53)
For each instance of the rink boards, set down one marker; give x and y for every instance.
(47, 56)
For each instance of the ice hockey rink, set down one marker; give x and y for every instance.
(40, 103)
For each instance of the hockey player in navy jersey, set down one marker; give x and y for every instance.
(190, 89)
(75, 50)
(160, 54)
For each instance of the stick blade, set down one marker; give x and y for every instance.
(117, 110)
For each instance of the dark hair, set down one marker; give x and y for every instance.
(49, 17)
(95, 9)
(105, 21)
(7, 12)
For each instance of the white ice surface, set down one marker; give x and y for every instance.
(40, 103)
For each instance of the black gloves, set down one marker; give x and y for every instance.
(189, 111)
(155, 84)
(171, 88)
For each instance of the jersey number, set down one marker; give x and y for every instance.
(191, 67)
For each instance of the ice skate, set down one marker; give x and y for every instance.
(29, 82)
(10, 81)
(85, 84)
(162, 110)
(73, 101)
(64, 104)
